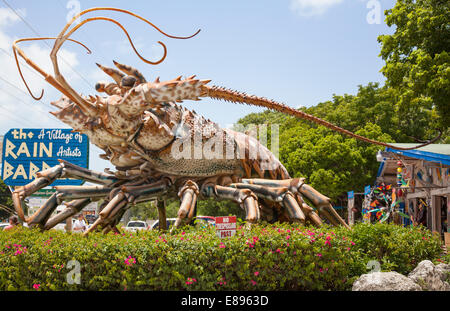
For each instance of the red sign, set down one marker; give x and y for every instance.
(225, 226)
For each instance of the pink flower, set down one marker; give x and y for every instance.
(221, 245)
(190, 281)
(352, 243)
(130, 261)
(288, 237)
(253, 282)
(256, 273)
(36, 286)
(319, 255)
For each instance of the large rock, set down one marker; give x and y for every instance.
(429, 277)
(385, 281)
(444, 269)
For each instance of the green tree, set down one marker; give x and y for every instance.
(5, 200)
(417, 59)
(213, 207)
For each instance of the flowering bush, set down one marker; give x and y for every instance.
(269, 257)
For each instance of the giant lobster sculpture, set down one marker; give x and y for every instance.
(141, 127)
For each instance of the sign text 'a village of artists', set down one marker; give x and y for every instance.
(28, 151)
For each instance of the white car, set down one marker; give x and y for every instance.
(136, 225)
(62, 225)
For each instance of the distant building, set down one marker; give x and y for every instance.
(426, 172)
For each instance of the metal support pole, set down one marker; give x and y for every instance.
(161, 204)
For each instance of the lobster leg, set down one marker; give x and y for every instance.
(113, 211)
(63, 193)
(297, 187)
(323, 205)
(46, 177)
(188, 195)
(281, 195)
(72, 208)
(245, 197)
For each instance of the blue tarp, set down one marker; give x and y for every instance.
(418, 154)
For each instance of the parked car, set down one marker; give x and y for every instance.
(199, 220)
(170, 222)
(62, 225)
(202, 220)
(136, 225)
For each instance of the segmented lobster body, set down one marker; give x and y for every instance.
(171, 140)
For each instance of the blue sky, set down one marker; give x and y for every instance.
(299, 52)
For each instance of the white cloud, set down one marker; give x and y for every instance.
(312, 7)
(15, 103)
(7, 16)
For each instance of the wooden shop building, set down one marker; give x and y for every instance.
(426, 174)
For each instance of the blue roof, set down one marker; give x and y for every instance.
(442, 157)
(423, 155)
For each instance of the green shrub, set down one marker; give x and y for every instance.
(267, 257)
(396, 248)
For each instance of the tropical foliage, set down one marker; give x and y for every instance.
(271, 257)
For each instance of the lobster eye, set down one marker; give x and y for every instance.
(128, 81)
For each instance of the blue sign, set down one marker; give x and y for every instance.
(28, 151)
(351, 194)
(366, 190)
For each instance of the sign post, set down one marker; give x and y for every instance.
(351, 204)
(366, 207)
(225, 226)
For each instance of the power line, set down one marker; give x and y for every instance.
(12, 95)
(24, 64)
(9, 83)
(13, 115)
(37, 34)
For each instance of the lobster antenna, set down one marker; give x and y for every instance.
(63, 36)
(126, 33)
(33, 65)
(126, 12)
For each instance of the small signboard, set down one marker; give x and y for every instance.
(351, 194)
(351, 204)
(28, 151)
(225, 226)
(366, 190)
